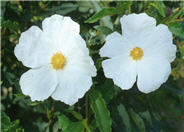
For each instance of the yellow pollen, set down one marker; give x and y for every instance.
(136, 53)
(58, 61)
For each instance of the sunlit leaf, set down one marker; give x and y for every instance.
(101, 112)
(102, 13)
(159, 5)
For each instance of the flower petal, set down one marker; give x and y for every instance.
(160, 43)
(115, 45)
(122, 70)
(152, 72)
(31, 50)
(136, 24)
(72, 86)
(60, 27)
(77, 56)
(39, 84)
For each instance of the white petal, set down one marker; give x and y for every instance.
(135, 24)
(62, 33)
(75, 79)
(31, 49)
(77, 56)
(39, 84)
(122, 70)
(160, 43)
(60, 27)
(82, 64)
(152, 72)
(72, 86)
(115, 45)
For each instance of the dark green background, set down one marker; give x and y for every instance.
(105, 107)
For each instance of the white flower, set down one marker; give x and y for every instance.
(144, 52)
(60, 61)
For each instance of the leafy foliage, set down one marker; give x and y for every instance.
(105, 107)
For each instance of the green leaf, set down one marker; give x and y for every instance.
(64, 121)
(177, 30)
(138, 120)
(8, 126)
(172, 89)
(178, 13)
(102, 114)
(124, 5)
(75, 127)
(146, 115)
(35, 103)
(159, 5)
(105, 21)
(13, 26)
(109, 90)
(75, 114)
(103, 29)
(69, 126)
(102, 13)
(124, 115)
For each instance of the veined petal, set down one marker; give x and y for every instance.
(122, 70)
(60, 27)
(31, 50)
(72, 86)
(160, 44)
(77, 56)
(136, 24)
(152, 72)
(39, 84)
(115, 45)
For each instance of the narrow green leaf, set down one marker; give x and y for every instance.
(105, 21)
(178, 13)
(19, 95)
(35, 103)
(146, 115)
(102, 13)
(138, 120)
(102, 114)
(75, 114)
(172, 89)
(124, 115)
(159, 5)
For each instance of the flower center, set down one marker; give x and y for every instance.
(136, 53)
(58, 61)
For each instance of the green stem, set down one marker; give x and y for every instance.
(86, 108)
(85, 124)
(129, 9)
(85, 121)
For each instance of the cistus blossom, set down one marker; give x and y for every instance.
(142, 53)
(59, 60)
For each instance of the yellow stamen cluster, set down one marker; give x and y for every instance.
(58, 61)
(136, 53)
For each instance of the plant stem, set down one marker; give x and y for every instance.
(129, 9)
(86, 108)
(85, 121)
